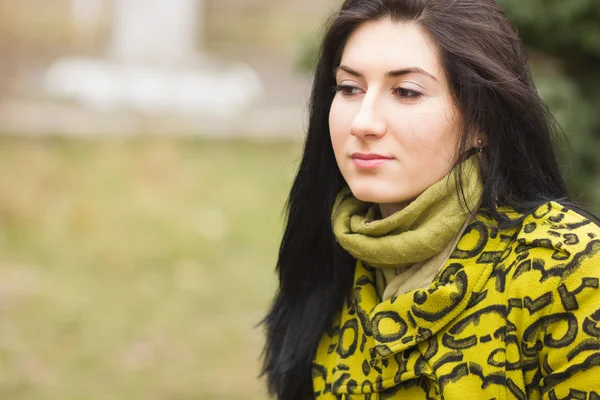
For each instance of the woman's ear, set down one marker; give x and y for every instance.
(480, 140)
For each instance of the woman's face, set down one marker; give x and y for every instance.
(393, 124)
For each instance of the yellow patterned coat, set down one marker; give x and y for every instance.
(513, 314)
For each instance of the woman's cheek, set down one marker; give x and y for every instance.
(338, 142)
(339, 127)
(430, 130)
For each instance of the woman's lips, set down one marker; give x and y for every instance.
(370, 160)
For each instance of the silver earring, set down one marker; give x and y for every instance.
(480, 143)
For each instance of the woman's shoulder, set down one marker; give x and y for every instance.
(558, 226)
(561, 238)
(552, 277)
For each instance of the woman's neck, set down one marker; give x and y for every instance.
(387, 209)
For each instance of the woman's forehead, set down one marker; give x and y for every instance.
(377, 47)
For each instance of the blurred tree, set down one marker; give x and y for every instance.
(563, 41)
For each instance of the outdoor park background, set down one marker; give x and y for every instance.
(138, 234)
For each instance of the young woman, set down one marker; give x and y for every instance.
(431, 250)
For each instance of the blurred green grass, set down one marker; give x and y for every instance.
(137, 268)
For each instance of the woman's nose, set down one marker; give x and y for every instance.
(369, 121)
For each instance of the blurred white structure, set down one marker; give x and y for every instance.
(106, 85)
(86, 13)
(159, 32)
(154, 64)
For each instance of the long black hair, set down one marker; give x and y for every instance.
(491, 84)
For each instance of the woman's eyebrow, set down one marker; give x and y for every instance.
(391, 74)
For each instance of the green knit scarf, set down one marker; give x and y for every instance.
(414, 234)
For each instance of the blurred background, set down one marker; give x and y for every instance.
(146, 151)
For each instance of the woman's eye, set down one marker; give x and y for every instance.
(347, 90)
(407, 93)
